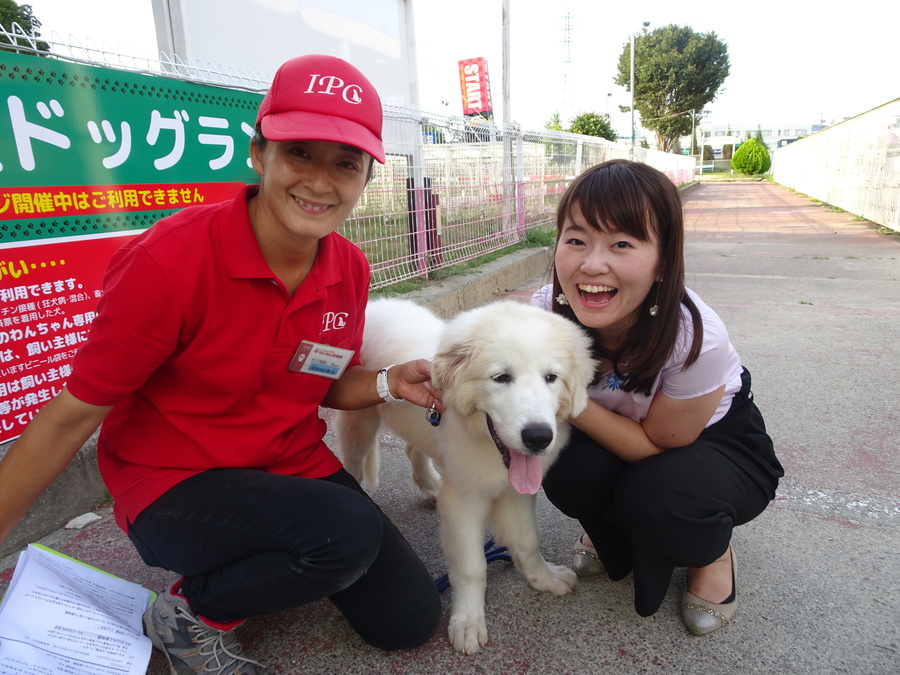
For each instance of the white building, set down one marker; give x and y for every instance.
(773, 134)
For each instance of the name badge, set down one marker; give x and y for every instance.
(323, 360)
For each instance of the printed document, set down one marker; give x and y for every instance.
(62, 617)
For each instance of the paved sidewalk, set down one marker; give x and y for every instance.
(812, 302)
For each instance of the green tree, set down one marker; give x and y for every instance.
(751, 158)
(557, 151)
(11, 12)
(759, 138)
(554, 123)
(592, 124)
(677, 70)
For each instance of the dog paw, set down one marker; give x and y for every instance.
(429, 495)
(468, 634)
(559, 580)
(564, 574)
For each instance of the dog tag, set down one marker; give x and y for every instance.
(433, 416)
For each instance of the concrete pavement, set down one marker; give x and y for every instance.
(812, 301)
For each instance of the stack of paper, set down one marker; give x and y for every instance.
(62, 617)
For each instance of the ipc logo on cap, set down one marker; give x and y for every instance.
(330, 85)
(307, 89)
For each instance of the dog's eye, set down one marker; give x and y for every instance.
(502, 378)
(550, 377)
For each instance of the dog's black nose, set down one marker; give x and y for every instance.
(537, 436)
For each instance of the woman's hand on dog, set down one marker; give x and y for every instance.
(411, 381)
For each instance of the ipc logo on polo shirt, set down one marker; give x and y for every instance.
(334, 321)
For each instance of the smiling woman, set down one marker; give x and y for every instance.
(605, 274)
(629, 217)
(221, 331)
(307, 191)
(671, 453)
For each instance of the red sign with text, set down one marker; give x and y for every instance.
(49, 289)
(475, 86)
(48, 298)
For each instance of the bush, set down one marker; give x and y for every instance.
(593, 124)
(751, 158)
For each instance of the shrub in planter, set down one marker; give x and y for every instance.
(751, 158)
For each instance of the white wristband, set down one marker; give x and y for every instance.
(384, 390)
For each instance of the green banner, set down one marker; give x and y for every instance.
(112, 149)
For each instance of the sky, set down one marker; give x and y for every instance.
(792, 61)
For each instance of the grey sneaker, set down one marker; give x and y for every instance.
(190, 645)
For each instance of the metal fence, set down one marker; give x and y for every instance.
(714, 166)
(451, 189)
(471, 189)
(854, 165)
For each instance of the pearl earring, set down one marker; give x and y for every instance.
(561, 299)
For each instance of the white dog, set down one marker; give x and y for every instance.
(511, 375)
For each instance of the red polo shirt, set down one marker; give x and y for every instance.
(192, 342)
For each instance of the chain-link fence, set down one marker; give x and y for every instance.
(854, 165)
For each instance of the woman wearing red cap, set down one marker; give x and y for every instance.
(221, 331)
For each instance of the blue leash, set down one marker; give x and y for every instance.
(491, 554)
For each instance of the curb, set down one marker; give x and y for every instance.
(77, 490)
(449, 297)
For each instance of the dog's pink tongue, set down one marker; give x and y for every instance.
(525, 473)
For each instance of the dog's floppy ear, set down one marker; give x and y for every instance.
(581, 370)
(454, 349)
(447, 363)
(448, 369)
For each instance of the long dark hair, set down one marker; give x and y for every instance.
(639, 201)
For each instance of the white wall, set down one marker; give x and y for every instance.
(854, 165)
(260, 35)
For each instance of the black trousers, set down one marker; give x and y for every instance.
(249, 542)
(675, 509)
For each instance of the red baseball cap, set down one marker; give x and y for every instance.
(323, 98)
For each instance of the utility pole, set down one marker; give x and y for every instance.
(693, 130)
(567, 107)
(509, 186)
(631, 152)
(507, 115)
